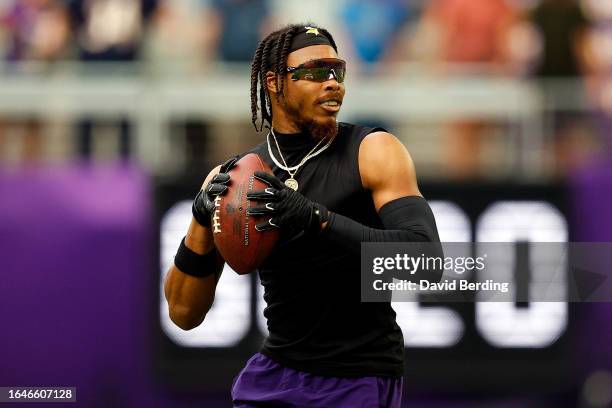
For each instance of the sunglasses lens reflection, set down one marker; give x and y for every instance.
(321, 70)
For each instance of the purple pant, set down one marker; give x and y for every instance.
(265, 383)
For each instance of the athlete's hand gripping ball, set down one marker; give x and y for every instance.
(285, 208)
(204, 203)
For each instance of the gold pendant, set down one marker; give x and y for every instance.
(292, 183)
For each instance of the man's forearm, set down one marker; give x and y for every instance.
(189, 297)
(199, 239)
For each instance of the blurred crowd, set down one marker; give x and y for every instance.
(541, 39)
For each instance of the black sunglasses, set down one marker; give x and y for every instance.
(319, 70)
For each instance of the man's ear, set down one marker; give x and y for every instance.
(271, 82)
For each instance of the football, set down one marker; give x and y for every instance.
(241, 245)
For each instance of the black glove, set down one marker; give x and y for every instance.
(288, 209)
(204, 203)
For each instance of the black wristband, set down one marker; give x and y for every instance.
(194, 264)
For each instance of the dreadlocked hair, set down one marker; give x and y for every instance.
(271, 55)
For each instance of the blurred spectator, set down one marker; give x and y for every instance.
(34, 31)
(238, 26)
(373, 26)
(198, 34)
(562, 27)
(108, 31)
(177, 36)
(468, 37)
(232, 31)
(21, 140)
(471, 31)
(599, 64)
(323, 13)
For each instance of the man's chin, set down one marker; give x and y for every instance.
(323, 129)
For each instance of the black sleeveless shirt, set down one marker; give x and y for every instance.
(316, 320)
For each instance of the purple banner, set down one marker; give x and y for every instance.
(74, 290)
(592, 219)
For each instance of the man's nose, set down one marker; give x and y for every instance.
(332, 83)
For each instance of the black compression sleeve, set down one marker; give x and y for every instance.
(406, 219)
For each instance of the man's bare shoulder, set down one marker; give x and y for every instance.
(383, 155)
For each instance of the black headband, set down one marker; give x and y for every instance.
(307, 37)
